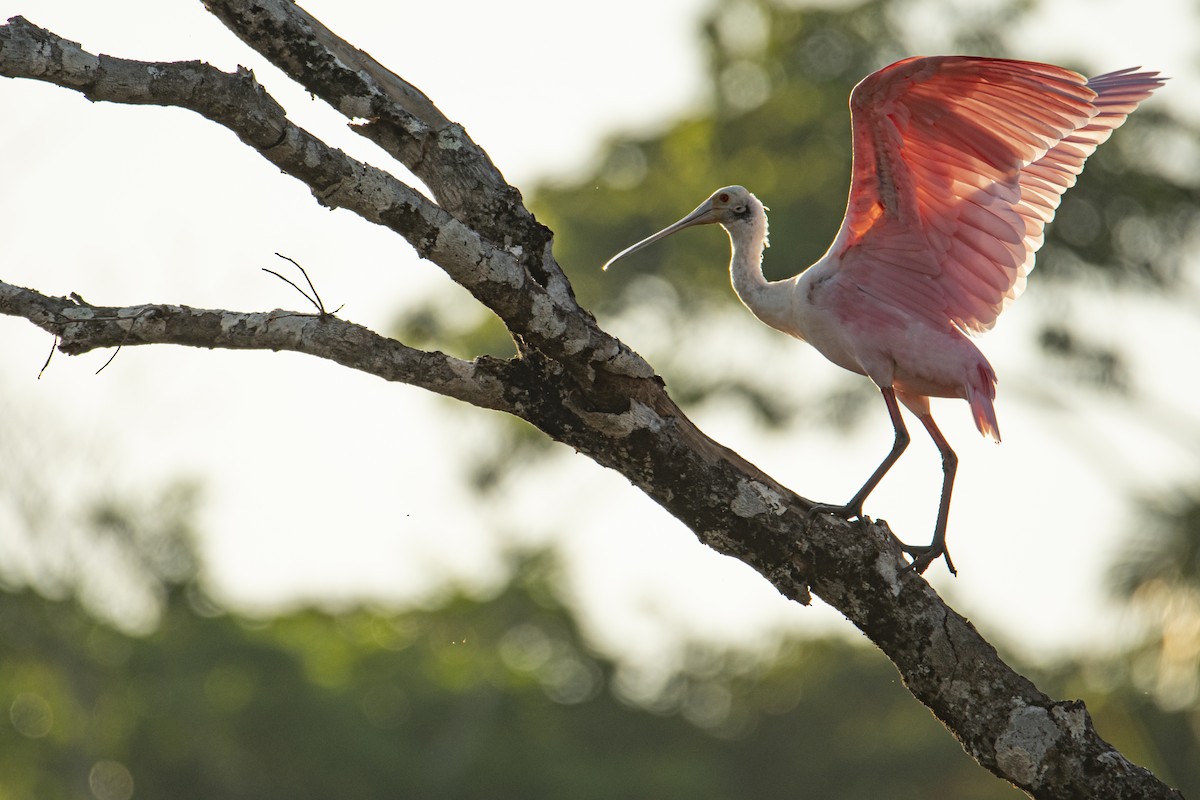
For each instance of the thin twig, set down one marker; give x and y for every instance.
(53, 347)
(304, 272)
(315, 299)
(125, 338)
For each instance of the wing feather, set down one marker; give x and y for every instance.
(959, 164)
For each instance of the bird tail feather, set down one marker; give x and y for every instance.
(980, 395)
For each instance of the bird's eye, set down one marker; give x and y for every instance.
(724, 198)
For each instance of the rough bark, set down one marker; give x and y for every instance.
(571, 379)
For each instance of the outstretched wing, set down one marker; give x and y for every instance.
(959, 163)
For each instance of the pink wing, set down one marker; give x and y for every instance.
(959, 163)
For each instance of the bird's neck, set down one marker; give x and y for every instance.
(767, 300)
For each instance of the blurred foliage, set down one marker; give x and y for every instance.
(1159, 577)
(1086, 362)
(472, 697)
(497, 696)
(114, 552)
(493, 697)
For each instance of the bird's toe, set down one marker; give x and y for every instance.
(924, 555)
(845, 512)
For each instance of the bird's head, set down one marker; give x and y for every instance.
(728, 207)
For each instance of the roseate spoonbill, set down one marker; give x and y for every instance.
(959, 163)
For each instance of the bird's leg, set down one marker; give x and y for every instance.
(923, 556)
(853, 509)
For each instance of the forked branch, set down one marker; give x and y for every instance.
(82, 327)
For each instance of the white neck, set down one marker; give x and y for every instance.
(769, 301)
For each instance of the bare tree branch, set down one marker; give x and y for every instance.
(494, 276)
(402, 120)
(361, 88)
(572, 380)
(82, 327)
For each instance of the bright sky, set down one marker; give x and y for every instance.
(323, 483)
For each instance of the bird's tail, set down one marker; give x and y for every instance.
(980, 394)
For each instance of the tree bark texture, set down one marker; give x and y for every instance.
(570, 379)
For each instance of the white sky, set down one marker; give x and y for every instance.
(323, 483)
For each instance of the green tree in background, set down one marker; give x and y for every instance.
(496, 696)
(1159, 577)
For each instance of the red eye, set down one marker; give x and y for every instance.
(724, 198)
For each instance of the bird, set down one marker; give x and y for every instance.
(959, 162)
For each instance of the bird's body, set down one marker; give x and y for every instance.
(875, 339)
(959, 163)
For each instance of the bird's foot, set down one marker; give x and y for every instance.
(847, 512)
(924, 555)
